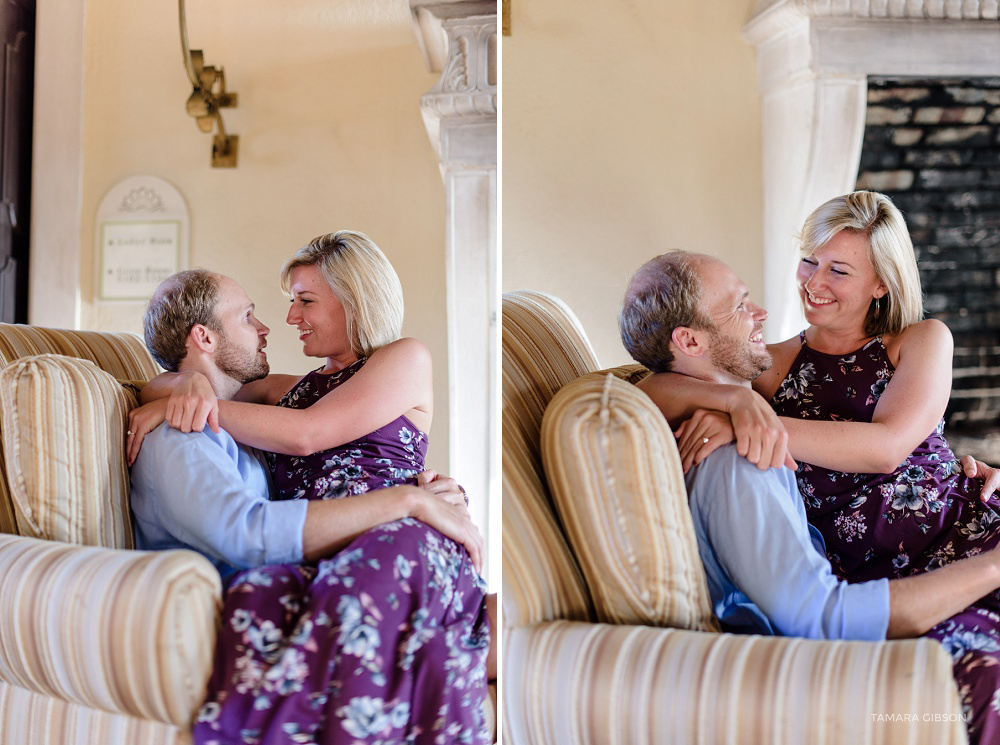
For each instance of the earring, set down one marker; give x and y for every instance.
(878, 307)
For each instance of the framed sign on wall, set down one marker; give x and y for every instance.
(142, 238)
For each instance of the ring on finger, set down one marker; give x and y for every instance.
(704, 440)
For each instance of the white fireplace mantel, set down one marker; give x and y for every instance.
(459, 40)
(813, 62)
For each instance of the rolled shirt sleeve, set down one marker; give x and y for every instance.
(203, 491)
(765, 565)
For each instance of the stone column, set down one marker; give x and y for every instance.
(460, 113)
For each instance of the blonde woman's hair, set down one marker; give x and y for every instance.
(364, 282)
(890, 252)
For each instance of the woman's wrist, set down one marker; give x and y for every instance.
(411, 500)
(739, 397)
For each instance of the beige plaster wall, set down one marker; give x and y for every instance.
(628, 130)
(331, 137)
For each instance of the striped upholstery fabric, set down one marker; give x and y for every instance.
(593, 684)
(29, 719)
(122, 355)
(616, 477)
(544, 348)
(127, 632)
(567, 682)
(64, 424)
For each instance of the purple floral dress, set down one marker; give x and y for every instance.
(921, 516)
(385, 642)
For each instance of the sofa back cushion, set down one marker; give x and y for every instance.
(617, 482)
(64, 422)
(123, 355)
(544, 348)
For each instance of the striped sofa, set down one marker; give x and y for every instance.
(608, 632)
(98, 643)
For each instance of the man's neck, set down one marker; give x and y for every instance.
(706, 372)
(224, 386)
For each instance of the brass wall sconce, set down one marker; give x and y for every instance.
(208, 97)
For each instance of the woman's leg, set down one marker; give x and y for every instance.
(246, 701)
(411, 636)
(973, 639)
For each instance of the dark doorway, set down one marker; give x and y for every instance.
(17, 76)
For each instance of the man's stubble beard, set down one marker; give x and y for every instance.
(741, 361)
(242, 365)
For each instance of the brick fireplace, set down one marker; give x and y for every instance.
(933, 146)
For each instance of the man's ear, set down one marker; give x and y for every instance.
(203, 338)
(687, 341)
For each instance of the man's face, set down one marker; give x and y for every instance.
(242, 339)
(737, 344)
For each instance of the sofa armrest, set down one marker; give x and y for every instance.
(567, 683)
(129, 632)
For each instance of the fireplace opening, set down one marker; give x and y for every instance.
(933, 147)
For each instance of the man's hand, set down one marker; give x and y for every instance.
(976, 469)
(193, 404)
(760, 436)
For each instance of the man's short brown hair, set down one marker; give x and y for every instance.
(665, 293)
(182, 301)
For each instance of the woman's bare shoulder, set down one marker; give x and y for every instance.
(929, 336)
(782, 355)
(267, 390)
(407, 351)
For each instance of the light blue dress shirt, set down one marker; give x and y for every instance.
(205, 492)
(767, 567)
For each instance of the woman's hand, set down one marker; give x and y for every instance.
(193, 404)
(443, 486)
(454, 522)
(142, 421)
(760, 436)
(701, 435)
(976, 469)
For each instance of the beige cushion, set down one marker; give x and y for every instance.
(64, 424)
(544, 348)
(123, 355)
(128, 632)
(617, 482)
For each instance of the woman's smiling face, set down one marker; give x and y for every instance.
(838, 282)
(318, 315)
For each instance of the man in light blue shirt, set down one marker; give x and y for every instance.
(766, 566)
(767, 570)
(204, 491)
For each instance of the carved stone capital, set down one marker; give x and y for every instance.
(920, 10)
(468, 85)
(459, 39)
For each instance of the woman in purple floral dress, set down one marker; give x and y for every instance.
(861, 393)
(387, 640)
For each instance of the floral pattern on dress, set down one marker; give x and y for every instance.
(393, 454)
(384, 642)
(923, 515)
